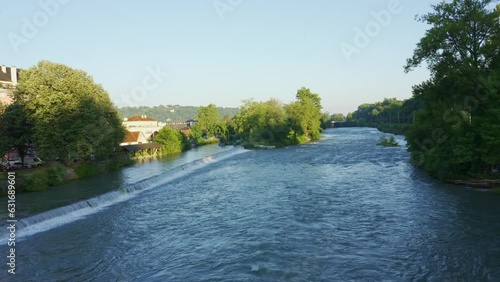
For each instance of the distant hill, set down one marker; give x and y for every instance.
(173, 112)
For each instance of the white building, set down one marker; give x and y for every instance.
(148, 126)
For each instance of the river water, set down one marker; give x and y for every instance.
(339, 209)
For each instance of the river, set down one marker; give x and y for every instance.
(339, 209)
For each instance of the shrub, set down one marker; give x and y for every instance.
(85, 170)
(55, 175)
(37, 181)
(391, 142)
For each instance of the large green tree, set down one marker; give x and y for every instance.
(337, 117)
(262, 122)
(273, 123)
(171, 140)
(72, 116)
(456, 132)
(15, 129)
(209, 119)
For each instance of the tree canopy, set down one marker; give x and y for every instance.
(275, 123)
(456, 132)
(171, 140)
(70, 115)
(209, 119)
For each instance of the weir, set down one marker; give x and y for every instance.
(57, 217)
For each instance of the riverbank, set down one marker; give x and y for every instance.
(54, 174)
(141, 174)
(477, 183)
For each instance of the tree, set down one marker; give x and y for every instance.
(15, 129)
(273, 123)
(326, 121)
(304, 118)
(261, 122)
(460, 100)
(304, 94)
(209, 119)
(196, 131)
(338, 117)
(171, 140)
(72, 117)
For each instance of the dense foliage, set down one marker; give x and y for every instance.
(15, 129)
(208, 121)
(63, 112)
(273, 123)
(171, 140)
(391, 110)
(457, 131)
(391, 142)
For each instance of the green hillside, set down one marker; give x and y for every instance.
(173, 112)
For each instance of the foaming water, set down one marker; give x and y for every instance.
(341, 209)
(57, 217)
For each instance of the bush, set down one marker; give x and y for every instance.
(172, 141)
(391, 142)
(86, 170)
(37, 181)
(55, 175)
(202, 142)
(119, 163)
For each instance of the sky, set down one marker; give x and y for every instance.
(197, 52)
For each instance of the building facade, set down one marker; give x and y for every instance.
(9, 77)
(148, 126)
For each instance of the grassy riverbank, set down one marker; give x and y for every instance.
(53, 174)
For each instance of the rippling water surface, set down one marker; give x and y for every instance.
(341, 209)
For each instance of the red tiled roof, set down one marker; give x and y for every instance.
(140, 118)
(131, 137)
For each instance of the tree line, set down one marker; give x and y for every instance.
(172, 112)
(263, 123)
(390, 110)
(66, 116)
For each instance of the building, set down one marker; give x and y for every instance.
(177, 124)
(148, 126)
(134, 138)
(9, 77)
(182, 125)
(137, 145)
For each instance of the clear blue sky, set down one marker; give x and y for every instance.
(254, 49)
